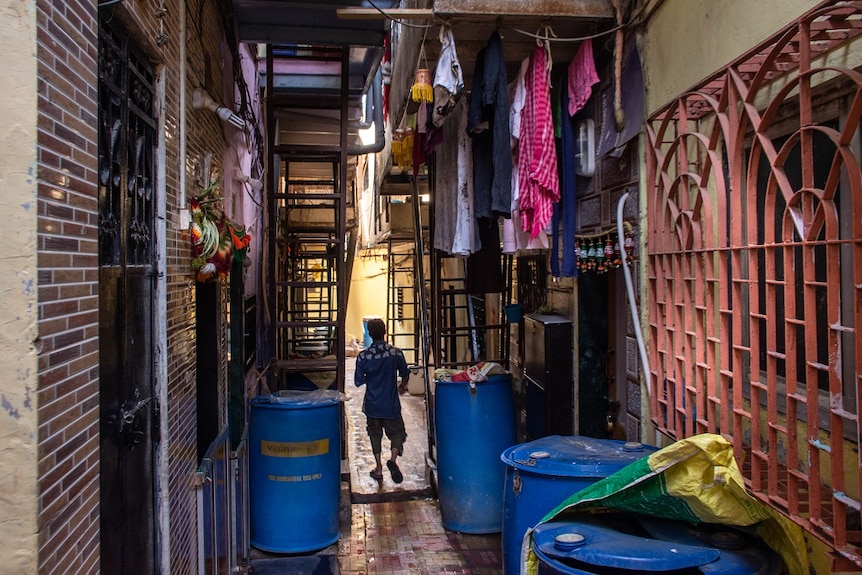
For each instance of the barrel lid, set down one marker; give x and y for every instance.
(593, 544)
(574, 456)
(297, 398)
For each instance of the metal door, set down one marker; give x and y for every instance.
(126, 289)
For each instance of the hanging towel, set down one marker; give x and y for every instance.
(582, 76)
(448, 78)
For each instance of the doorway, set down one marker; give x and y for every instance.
(127, 281)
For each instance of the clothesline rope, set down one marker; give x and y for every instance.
(444, 22)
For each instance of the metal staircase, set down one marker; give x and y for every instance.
(468, 327)
(311, 243)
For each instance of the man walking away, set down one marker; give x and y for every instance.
(378, 368)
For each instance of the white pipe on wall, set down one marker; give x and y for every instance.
(631, 293)
(183, 80)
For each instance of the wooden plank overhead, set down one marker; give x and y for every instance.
(546, 8)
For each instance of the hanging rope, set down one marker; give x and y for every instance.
(619, 114)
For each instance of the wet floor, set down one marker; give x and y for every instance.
(388, 528)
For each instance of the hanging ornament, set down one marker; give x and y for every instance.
(600, 257)
(407, 148)
(422, 91)
(617, 257)
(609, 250)
(629, 245)
(577, 254)
(397, 145)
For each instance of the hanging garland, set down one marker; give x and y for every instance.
(600, 253)
(216, 239)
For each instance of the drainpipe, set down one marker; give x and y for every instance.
(376, 96)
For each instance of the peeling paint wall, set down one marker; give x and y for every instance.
(18, 289)
(685, 40)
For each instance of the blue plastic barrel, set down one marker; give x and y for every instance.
(295, 470)
(473, 425)
(593, 545)
(541, 474)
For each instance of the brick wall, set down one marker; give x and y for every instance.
(68, 269)
(68, 291)
(204, 136)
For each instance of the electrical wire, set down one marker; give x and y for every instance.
(549, 38)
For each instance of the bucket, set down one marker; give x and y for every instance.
(295, 470)
(474, 423)
(416, 380)
(542, 473)
(514, 312)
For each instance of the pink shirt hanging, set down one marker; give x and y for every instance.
(582, 76)
(537, 160)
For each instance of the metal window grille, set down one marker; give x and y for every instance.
(755, 271)
(127, 133)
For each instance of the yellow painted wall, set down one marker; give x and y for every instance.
(18, 289)
(367, 289)
(685, 40)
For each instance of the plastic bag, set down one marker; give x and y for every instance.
(695, 479)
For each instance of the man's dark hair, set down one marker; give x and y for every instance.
(376, 329)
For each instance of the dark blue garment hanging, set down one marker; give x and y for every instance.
(565, 209)
(555, 237)
(492, 151)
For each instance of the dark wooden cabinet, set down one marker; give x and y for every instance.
(549, 386)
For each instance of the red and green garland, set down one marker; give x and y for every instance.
(216, 240)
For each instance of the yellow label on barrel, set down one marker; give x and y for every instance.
(294, 448)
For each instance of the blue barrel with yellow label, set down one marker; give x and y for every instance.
(295, 470)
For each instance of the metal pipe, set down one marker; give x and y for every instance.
(380, 129)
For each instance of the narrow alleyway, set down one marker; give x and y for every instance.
(388, 528)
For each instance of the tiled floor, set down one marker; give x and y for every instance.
(407, 538)
(388, 528)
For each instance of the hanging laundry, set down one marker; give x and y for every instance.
(609, 140)
(454, 224)
(484, 269)
(386, 73)
(564, 210)
(448, 78)
(419, 156)
(582, 77)
(488, 125)
(514, 238)
(537, 156)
